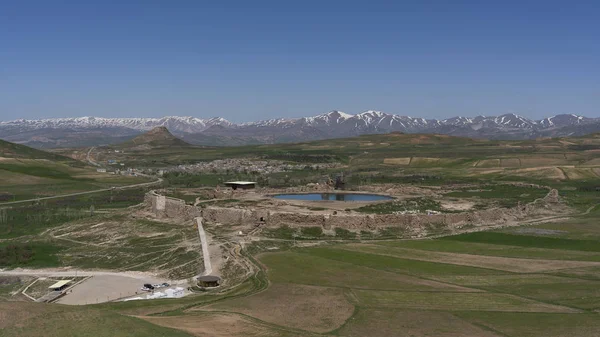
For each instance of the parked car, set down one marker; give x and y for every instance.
(148, 287)
(160, 285)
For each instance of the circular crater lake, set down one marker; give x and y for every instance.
(333, 197)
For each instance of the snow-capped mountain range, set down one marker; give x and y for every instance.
(333, 124)
(180, 124)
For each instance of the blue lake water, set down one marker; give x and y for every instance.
(333, 197)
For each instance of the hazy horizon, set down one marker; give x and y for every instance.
(291, 117)
(249, 61)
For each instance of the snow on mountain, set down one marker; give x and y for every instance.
(503, 121)
(457, 121)
(173, 123)
(269, 122)
(514, 121)
(218, 121)
(369, 116)
(331, 124)
(558, 121)
(331, 118)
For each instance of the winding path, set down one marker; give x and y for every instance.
(88, 157)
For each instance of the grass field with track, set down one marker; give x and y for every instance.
(531, 280)
(443, 298)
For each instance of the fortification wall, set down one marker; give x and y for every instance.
(165, 207)
(229, 215)
(410, 223)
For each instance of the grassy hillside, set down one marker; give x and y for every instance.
(536, 280)
(32, 178)
(17, 151)
(395, 158)
(27, 173)
(503, 283)
(360, 149)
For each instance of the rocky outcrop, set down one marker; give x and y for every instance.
(552, 197)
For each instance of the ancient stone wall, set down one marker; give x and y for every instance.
(166, 207)
(411, 223)
(228, 215)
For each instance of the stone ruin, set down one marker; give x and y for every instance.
(412, 224)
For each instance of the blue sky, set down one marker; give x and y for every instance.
(250, 60)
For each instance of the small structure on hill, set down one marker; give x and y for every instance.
(243, 185)
(340, 183)
(60, 285)
(209, 281)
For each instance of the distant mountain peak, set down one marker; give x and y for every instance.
(328, 118)
(92, 131)
(160, 131)
(371, 113)
(340, 114)
(159, 136)
(176, 123)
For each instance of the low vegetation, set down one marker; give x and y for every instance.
(35, 319)
(528, 241)
(536, 280)
(505, 195)
(29, 219)
(412, 205)
(36, 254)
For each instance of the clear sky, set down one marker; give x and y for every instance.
(250, 60)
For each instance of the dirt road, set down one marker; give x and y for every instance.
(89, 158)
(72, 273)
(205, 252)
(158, 181)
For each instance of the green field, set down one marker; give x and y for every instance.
(33, 319)
(528, 241)
(22, 179)
(467, 299)
(394, 158)
(530, 280)
(32, 218)
(506, 195)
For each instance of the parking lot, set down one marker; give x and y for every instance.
(105, 288)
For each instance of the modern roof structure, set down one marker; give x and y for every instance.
(209, 278)
(209, 281)
(241, 184)
(59, 284)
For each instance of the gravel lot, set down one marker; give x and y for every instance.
(104, 288)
